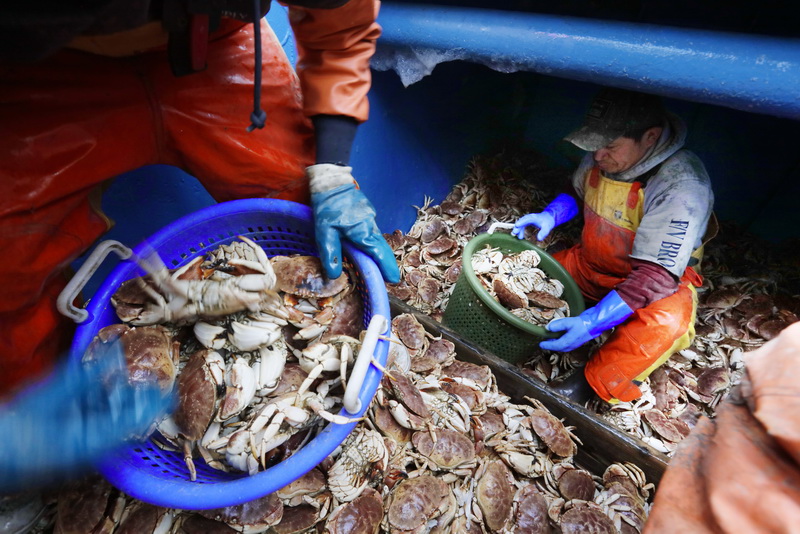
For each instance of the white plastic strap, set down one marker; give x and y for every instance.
(500, 226)
(84, 274)
(377, 326)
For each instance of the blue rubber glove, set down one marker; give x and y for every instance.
(59, 427)
(608, 313)
(342, 211)
(560, 210)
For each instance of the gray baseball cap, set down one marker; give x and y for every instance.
(614, 112)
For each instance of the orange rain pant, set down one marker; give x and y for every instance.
(612, 212)
(740, 472)
(75, 120)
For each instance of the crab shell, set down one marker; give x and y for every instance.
(407, 393)
(388, 425)
(197, 524)
(585, 517)
(479, 374)
(450, 449)
(409, 330)
(494, 493)
(197, 396)
(309, 484)
(543, 299)
(574, 483)
(472, 396)
(303, 276)
(552, 431)
(428, 289)
(531, 514)
(251, 517)
(723, 299)
(361, 516)
(348, 317)
(662, 425)
(432, 230)
(151, 354)
(452, 273)
(297, 519)
(415, 501)
(88, 505)
(508, 295)
(144, 517)
(491, 423)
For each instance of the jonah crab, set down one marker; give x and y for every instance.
(362, 451)
(363, 515)
(251, 517)
(494, 494)
(187, 294)
(449, 451)
(151, 354)
(417, 505)
(519, 285)
(198, 401)
(624, 496)
(551, 430)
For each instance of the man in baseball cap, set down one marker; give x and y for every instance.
(616, 113)
(647, 203)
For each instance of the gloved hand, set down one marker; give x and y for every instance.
(560, 210)
(342, 211)
(608, 313)
(60, 426)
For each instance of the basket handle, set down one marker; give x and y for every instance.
(499, 226)
(83, 275)
(377, 325)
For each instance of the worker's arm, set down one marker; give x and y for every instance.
(334, 48)
(647, 283)
(60, 426)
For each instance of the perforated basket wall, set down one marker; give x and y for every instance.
(160, 477)
(476, 315)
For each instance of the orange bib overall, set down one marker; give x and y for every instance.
(601, 261)
(74, 120)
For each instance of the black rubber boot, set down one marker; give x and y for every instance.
(574, 387)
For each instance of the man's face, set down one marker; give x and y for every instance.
(623, 152)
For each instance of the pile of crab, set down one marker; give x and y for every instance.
(750, 293)
(442, 449)
(516, 282)
(257, 349)
(496, 190)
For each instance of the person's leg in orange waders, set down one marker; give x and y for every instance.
(641, 344)
(641, 341)
(74, 120)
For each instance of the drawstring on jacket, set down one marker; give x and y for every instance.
(258, 117)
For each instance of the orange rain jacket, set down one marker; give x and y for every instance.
(109, 104)
(740, 471)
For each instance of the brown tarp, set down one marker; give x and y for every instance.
(740, 472)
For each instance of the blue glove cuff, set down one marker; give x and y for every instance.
(608, 313)
(563, 208)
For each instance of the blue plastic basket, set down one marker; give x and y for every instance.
(160, 477)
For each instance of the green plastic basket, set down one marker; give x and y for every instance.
(473, 313)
